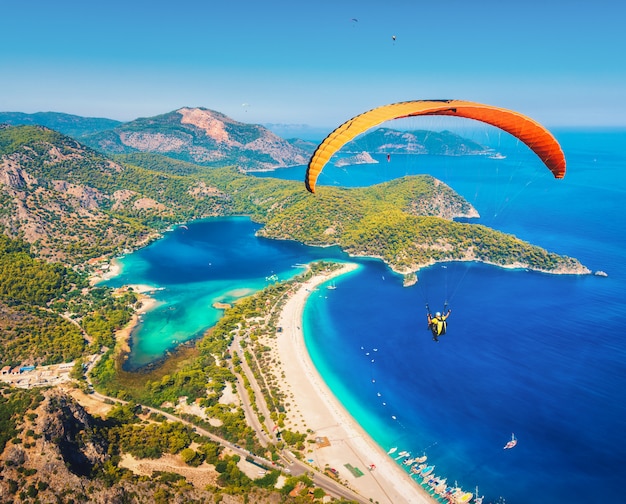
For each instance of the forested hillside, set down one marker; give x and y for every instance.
(53, 450)
(68, 124)
(72, 203)
(46, 310)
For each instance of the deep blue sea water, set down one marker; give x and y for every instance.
(541, 356)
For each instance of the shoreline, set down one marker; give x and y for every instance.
(322, 414)
(122, 336)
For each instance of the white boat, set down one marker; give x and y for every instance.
(465, 497)
(457, 495)
(512, 443)
(440, 487)
(415, 469)
(392, 450)
(478, 500)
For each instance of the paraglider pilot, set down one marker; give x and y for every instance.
(438, 324)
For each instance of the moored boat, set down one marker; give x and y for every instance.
(466, 497)
(427, 470)
(416, 468)
(478, 500)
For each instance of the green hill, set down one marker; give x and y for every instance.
(68, 124)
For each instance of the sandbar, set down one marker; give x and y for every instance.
(312, 406)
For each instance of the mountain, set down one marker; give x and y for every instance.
(204, 137)
(73, 203)
(390, 141)
(312, 134)
(209, 138)
(70, 125)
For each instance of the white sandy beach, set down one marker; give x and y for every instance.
(313, 406)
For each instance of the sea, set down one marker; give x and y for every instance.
(537, 356)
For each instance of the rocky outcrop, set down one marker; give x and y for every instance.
(70, 431)
(60, 455)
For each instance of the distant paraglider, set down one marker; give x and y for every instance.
(525, 129)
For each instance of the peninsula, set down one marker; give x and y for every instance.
(314, 408)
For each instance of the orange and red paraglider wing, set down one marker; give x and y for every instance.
(530, 132)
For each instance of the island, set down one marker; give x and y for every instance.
(361, 158)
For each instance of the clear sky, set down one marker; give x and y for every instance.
(563, 62)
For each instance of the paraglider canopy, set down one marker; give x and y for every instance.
(530, 132)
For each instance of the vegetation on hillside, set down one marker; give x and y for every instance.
(68, 124)
(201, 136)
(57, 452)
(76, 204)
(45, 307)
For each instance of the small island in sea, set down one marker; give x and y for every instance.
(361, 158)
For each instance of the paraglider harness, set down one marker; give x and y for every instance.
(433, 322)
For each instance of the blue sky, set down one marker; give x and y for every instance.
(561, 62)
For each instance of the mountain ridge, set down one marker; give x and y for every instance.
(201, 136)
(209, 138)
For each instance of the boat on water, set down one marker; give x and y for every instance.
(392, 450)
(417, 468)
(512, 443)
(427, 470)
(478, 500)
(457, 495)
(466, 497)
(440, 486)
